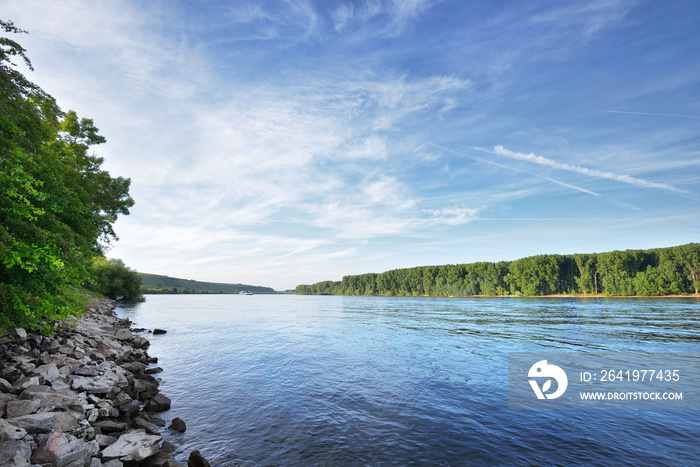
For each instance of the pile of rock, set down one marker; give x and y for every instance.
(85, 396)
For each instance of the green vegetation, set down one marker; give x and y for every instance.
(155, 284)
(57, 206)
(664, 271)
(113, 279)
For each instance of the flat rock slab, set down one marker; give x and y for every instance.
(122, 334)
(46, 422)
(134, 446)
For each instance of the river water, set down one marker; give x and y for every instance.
(328, 380)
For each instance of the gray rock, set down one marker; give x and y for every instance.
(130, 409)
(110, 426)
(168, 447)
(98, 385)
(154, 370)
(46, 422)
(23, 383)
(152, 428)
(140, 343)
(134, 446)
(5, 385)
(159, 403)
(57, 399)
(15, 454)
(122, 334)
(87, 370)
(197, 460)
(62, 450)
(178, 425)
(18, 333)
(48, 372)
(11, 373)
(113, 463)
(11, 432)
(104, 440)
(19, 407)
(157, 331)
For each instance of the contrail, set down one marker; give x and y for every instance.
(651, 114)
(500, 150)
(574, 187)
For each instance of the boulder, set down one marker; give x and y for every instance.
(178, 425)
(19, 407)
(103, 384)
(159, 403)
(105, 440)
(46, 422)
(11, 432)
(23, 383)
(197, 460)
(18, 333)
(57, 399)
(48, 372)
(110, 426)
(122, 334)
(11, 373)
(87, 370)
(60, 450)
(5, 385)
(15, 454)
(151, 428)
(134, 446)
(140, 343)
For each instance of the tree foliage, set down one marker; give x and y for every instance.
(57, 206)
(113, 279)
(665, 271)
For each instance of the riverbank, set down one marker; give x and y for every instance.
(84, 396)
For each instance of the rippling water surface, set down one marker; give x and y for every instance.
(306, 380)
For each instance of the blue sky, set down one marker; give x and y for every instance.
(287, 142)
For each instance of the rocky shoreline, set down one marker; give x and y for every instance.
(85, 396)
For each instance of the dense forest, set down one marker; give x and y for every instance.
(157, 284)
(663, 271)
(57, 206)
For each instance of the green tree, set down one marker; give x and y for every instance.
(113, 279)
(57, 206)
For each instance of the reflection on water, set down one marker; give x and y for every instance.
(296, 380)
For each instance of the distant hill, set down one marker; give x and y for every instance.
(155, 284)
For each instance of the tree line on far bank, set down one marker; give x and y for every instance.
(662, 271)
(57, 206)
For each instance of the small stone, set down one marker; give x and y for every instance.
(178, 425)
(157, 331)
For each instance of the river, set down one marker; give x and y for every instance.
(328, 380)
